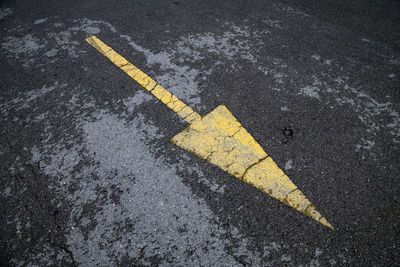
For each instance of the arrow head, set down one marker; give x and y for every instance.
(220, 139)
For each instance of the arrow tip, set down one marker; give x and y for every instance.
(220, 139)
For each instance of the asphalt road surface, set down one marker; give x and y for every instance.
(89, 176)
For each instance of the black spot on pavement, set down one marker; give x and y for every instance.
(288, 132)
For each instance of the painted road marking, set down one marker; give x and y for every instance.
(144, 80)
(220, 139)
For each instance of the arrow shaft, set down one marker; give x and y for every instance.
(180, 108)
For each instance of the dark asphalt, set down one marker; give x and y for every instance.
(89, 176)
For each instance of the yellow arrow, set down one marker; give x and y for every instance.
(220, 139)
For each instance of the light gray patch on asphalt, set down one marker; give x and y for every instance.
(218, 44)
(142, 207)
(43, 258)
(314, 263)
(275, 69)
(286, 258)
(91, 26)
(318, 252)
(370, 112)
(183, 80)
(273, 23)
(234, 44)
(64, 39)
(35, 153)
(314, 89)
(52, 53)
(56, 38)
(311, 91)
(34, 94)
(278, 77)
(5, 11)
(27, 45)
(156, 213)
(316, 57)
(281, 255)
(217, 188)
(24, 100)
(6, 192)
(288, 10)
(61, 162)
(195, 168)
(365, 144)
(395, 61)
(178, 79)
(139, 98)
(39, 21)
(289, 164)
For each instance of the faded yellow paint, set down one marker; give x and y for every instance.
(144, 80)
(220, 139)
(268, 177)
